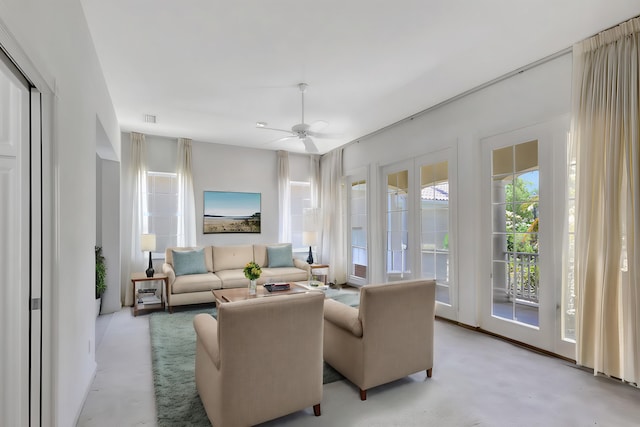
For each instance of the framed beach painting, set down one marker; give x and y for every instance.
(231, 212)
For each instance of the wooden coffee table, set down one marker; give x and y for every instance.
(241, 294)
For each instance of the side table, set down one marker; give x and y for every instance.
(142, 277)
(325, 274)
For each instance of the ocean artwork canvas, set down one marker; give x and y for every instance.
(231, 212)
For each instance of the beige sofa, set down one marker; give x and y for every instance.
(387, 338)
(223, 268)
(262, 359)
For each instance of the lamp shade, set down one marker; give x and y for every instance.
(148, 242)
(311, 219)
(309, 238)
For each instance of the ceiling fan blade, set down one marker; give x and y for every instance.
(318, 125)
(309, 145)
(284, 138)
(323, 135)
(279, 130)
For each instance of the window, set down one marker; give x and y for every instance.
(358, 226)
(162, 210)
(300, 200)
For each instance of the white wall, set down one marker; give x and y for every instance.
(225, 168)
(51, 39)
(109, 224)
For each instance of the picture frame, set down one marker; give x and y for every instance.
(231, 212)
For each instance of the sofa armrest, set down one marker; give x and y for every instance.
(303, 265)
(206, 327)
(343, 316)
(168, 270)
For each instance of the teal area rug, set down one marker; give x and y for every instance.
(173, 349)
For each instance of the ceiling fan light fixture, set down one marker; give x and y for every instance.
(302, 131)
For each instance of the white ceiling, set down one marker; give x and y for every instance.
(210, 69)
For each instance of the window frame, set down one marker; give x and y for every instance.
(297, 226)
(152, 215)
(352, 279)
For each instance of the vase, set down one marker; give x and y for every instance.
(252, 287)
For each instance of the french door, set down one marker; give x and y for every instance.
(399, 217)
(419, 220)
(436, 220)
(522, 199)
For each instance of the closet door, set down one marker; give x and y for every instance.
(14, 246)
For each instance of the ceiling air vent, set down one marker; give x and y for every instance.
(149, 118)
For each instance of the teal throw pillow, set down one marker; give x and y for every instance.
(189, 262)
(280, 256)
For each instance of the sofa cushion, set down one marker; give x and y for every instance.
(189, 262)
(260, 255)
(284, 274)
(231, 257)
(195, 283)
(233, 279)
(208, 255)
(280, 256)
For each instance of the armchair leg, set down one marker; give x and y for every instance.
(429, 372)
(363, 394)
(316, 410)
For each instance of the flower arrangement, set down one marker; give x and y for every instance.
(252, 271)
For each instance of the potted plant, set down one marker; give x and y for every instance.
(101, 275)
(252, 271)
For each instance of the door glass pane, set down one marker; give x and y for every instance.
(358, 195)
(434, 224)
(398, 262)
(568, 294)
(515, 226)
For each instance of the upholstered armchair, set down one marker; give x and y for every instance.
(387, 338)
(261, 359)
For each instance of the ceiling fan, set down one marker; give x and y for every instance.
(302, 131)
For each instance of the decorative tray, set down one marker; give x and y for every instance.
(274, 287)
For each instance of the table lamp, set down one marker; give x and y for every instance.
(310, 238)
(148, 243)
(310, 229)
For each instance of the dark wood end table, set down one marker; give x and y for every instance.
(142, 277)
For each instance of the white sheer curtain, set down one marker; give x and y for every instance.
(139, 224)
(314, 180)
(606, 142)
(186, 201)
(332, 196)
(284, 197)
